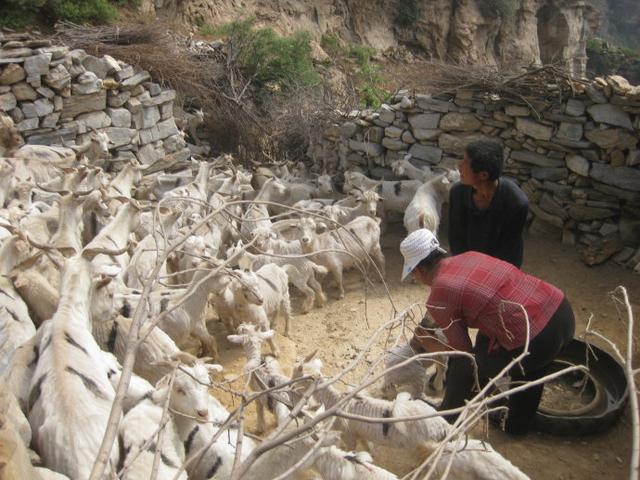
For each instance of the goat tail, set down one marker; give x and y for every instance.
(319, 269)
(424, 448)
(291, 270)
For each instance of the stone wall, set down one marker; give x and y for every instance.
(577, 158)
(55, 93)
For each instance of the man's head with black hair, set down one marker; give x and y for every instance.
(486, 156)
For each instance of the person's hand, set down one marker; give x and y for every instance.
(419, 334)
(425, 340)
(415, 345)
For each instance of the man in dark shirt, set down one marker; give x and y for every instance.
(487, 212)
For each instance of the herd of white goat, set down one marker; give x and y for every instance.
(100, 259)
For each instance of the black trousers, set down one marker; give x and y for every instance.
(543, 348)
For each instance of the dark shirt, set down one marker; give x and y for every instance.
(495, 231)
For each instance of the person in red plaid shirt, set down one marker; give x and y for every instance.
(474, 290)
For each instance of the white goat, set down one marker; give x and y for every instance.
(331, 245)
(477, 460)
(189, 317)
(123, 183)
(70, 393)
(16, 326)
(115, 236)
(189, 122)
(302, 275)
(196, 428)
(413, 376)
(217, 460)
(426, 205)
(404, 168)
(256, 297)
(37, 292)
(95, 148)
(112, 336)
(138, 426)
(407, 435)
(265, 372)
(396, 195)
(280, 459)
(366, 205)
(335, 464)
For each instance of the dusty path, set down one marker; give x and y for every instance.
(341, 329)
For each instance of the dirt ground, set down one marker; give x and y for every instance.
(341, 329)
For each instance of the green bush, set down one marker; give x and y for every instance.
(408, 13)
(606, 58)
(268, 58)
(370, 91)
(82, 11)
(498, 8)
(331, 44)
(21, 13)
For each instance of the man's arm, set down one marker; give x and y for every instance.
(510, 247)
(457, 221)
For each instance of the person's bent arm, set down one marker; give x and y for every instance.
(511, 245)
(457, 221)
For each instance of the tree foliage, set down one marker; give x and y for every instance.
(605, 58)
(498, 8)
(270, 60)
(20, 13)
(408, 13)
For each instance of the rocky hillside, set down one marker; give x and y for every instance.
(462, 31)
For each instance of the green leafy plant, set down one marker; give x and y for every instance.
(270, 60)
(82, 11)
(606, 58)
(408, 13)
(370, 91)
(498, 8)
(21, 13)
(331, 44)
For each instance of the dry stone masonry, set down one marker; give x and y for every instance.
(54, 94)
(577, 158)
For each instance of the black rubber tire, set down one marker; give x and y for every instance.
(607, 376)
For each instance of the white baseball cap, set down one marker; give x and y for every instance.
(416, 247)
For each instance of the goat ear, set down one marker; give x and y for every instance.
(235, 338)
(103, 281)
(213, 368)
(267, 334)
(162, 384)
(184, 357)
(321, 227)
(421, 221)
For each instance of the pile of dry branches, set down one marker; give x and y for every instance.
(534, 82)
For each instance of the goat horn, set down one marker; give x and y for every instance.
(91, 253)
(82, 193)
(51, 190)
(184, 357)
(309, 357)
(34, 243)
(27, 263)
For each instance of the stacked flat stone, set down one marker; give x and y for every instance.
(55, 93)
(577, 158)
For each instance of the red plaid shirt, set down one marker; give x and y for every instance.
(474, 290)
